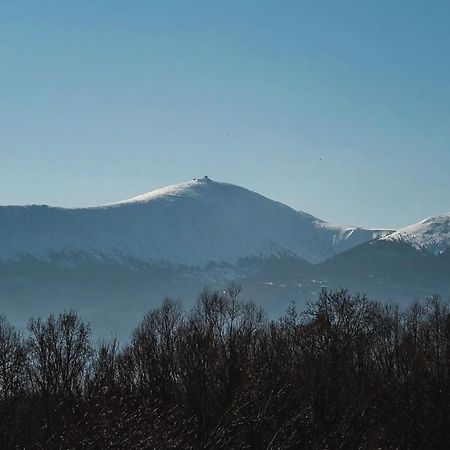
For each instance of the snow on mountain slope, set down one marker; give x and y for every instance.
(191, 223)
(430, 235)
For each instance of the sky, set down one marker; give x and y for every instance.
(337, 108)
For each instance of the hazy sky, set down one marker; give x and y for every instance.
(338, 108)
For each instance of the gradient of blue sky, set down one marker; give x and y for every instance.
(338, 108)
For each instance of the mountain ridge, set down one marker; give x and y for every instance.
(430, 235)
(193, 223)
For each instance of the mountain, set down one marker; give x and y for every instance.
(114, 262)
(431, 235)
(410, 263)
(192, 224)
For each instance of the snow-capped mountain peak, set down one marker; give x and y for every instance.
(431, 234)
(192, 223)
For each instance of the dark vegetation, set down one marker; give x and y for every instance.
(347, 373)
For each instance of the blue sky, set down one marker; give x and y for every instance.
(338, 108)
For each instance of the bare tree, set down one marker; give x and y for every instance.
(59, 350)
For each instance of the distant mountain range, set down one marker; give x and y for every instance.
(113, 262)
